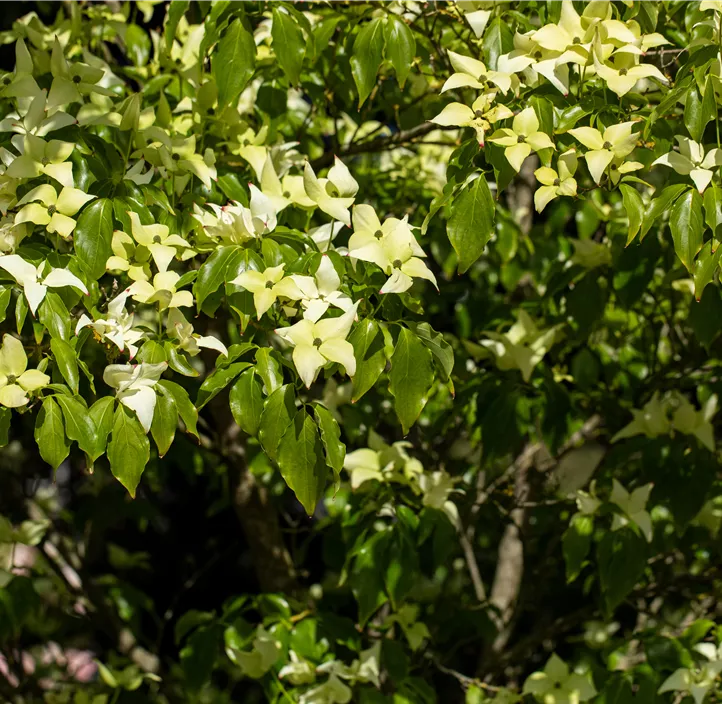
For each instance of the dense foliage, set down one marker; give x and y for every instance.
(360, 352)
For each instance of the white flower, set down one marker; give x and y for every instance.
(316, 343)
(15, 378)
(268, 285)
(556, 685)
(334, 194)
(134, 387)
(162, 290)
(321, 290)
(473, 73)
(34, 283)
(56, 210)
(391, 246)
(158, 241)
(696, 681)
(117, 326)
(522, 347)
(692, 161)
(632, 507)
(618, 141)
(298, 671)
(180, 329)
(523, 138)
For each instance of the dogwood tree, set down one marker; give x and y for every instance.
(360, 352)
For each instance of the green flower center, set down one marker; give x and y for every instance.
(482, 78)
(521, 139)
(378, 234)
(7, 80)
(269, 284)
(12, 378)
(317, 342)
(622, 71)
(576, 40)
(333, 192)
(397, 263)
(178, 62)
(211, 111)
(246, 142)
(77, 79)
(557, 182)
(538, 55)
(157, 239)
(45, 161)
(51, 210)
(614, 167)
(286, 194)
(478, 113)
(607, 145)
(176, 157)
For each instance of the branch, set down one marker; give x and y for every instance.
(380, 144)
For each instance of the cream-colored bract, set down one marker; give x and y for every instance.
(35, 282)
(317, 343)
(133, 384)
(16, 380)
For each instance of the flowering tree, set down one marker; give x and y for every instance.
(260, 441)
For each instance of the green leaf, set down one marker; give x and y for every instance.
(367, 55)
(709, 105)
(704, 268)
(102, 414)
(705, 313)
(54, 315)
(300, 459)
(278, 414)
(5, 418)
(186, 410)
(647, 17)
(269, 369)
(622, 557)
(635, 210)
(234, 62)
(165, 422)
(230, 186)
(400, 46)
(713, 209)
(687, 227)
(178, 361)
(79, 424)
(693, 115)
(54, 447)
(176, 10)
(288, 43)
(471, 223)
(21, 312)
(410, 378)
(151, 352)
(331, 439)
(66, 359)
(217, 381)
(212, 273)
(137, 45)
(438, 346)
(246, 401)
(368, 347)
(498, 40)
(5, 296)
(128, 449)
(576, 541)
(660, 205)
(569, 117)
(92, 237)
